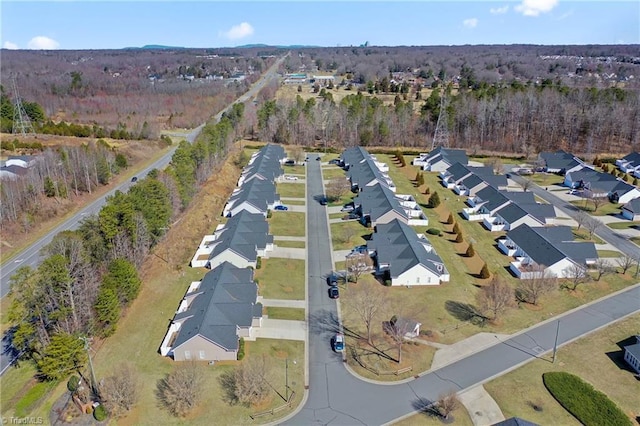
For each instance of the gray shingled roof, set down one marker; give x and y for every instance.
(448, 155)
(225, 300)
(548, 245)
(244, 233)
(398, 245)
(560, 160)
(633, 206)
(376, 200)
(257, 192)
(515, 421)
(633, 158)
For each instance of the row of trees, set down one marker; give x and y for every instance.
(512, 118)
(89, 276)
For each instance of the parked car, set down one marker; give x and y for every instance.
(360, 249)
(334, 161)
(289, 177)
(347, 208)
(337, 342)
(353, 216)
(334, 293)
(323, 201)
(281, 208)
(134, 179)
(332, 279)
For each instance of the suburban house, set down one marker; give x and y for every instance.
(550, 249)
(243, 229)
(560, 162)
(404, 257)
(351, 156)
(367, 172)
(630, 163)
(378, 204)
(600, 185)
(631, 210)
(468, 180)
(440, 159)
(213, 315)
(264, 164)
(632, 355)
(16, 166)
(255, 196)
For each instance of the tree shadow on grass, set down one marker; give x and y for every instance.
(327, 322)
(465, 312)
(425, 406)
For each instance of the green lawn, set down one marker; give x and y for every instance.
(287, 223)
(624, 225)
(609, 253)
(295, 202)
(291, 189)
(292, 244)
(516, 392)
(281, 278)
(346, 235)
(605, 209)
(332, 172)
(545, 179)
(295, 170)
(294, 314)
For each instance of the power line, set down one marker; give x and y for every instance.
(441, 134)
(21, 122)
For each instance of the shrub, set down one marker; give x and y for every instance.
(470, 251)
(456, 228)
(588, 405)
(100, 413)
(427, 191)
(269, 214)
(73, 384)
(434, 231)
(387, 283)
(459, 238)
(450, 220)
(258, 262)
(434, 200)
(241, 349)
(484, 272)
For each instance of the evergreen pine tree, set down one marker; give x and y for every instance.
(470, 251)
(484, 272)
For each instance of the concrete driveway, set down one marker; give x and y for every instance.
(281, 329)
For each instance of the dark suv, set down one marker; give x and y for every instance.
(332, 279)
(334, 293)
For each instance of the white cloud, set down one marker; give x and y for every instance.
(470, 23)
(42, 43)
(239, 31)
(499, 10)
(535, 7)
(9, 45)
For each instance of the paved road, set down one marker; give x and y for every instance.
(617, 239)
(31, 255)
(337, 397)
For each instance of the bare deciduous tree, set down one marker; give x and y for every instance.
(367, 301)
(625, 262)
(597, 201)
(119, 392)
(602, 267)
(496, 297)
(338, 187)
(357, 264)
(496, 164)
(593, 225)
(447, 403)
(296, 153)
(541, 282)
(581, 218)
(181, 390)
(248, 383)
(525, 184)
(576, 275)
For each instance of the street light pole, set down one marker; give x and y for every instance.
(286, 378)
(555, 344)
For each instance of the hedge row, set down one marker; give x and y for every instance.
(588, 405)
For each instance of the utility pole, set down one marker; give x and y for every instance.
(94, 386)
(21, 122)
(441, 134)
(286, 378)
(555, 344)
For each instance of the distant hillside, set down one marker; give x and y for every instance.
(155, 46)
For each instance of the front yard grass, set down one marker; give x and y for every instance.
(460, 417)
(287, 223)
(605, 209)
(281, 279)
(609, 253)
(292, 244)
(347, 234)
(291, 189)
(333, 172)
(624, 225)
(545, 179)
(294, 314)
(295, 170)
(518, 391)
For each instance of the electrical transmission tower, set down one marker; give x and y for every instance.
(21, 122)
(441, 135)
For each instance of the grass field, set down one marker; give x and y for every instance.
(287, 223)
(605, 209)
(333, 172)
(293, 314)
(459, 417)
(624, 225)
(347, 234)
(546, 179)
(517, 391)
(281, 279)
(291, 189)
(292, 244)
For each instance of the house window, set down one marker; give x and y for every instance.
(201, 354)
(187, 354)
(417, 280)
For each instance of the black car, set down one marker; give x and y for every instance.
(334, 293)
(332, 279)
(134, 179)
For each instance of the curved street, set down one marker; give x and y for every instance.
(336, 396)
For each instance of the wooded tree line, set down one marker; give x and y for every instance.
(89, 276)
(511, 118)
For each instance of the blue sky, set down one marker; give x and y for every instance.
(117, 24)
